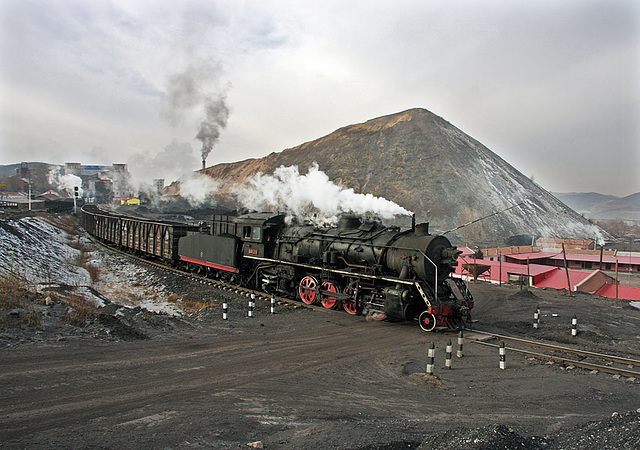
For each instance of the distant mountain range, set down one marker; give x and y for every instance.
(598, 206)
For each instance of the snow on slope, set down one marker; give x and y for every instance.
(43, 255)
(503, 186)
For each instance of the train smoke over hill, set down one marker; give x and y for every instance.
(308, 194)
(197, 189)
(431, 167)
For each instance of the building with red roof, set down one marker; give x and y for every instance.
(530, 269)
(626, 292)
(578, 261)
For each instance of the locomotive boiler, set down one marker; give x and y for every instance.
(366, 267)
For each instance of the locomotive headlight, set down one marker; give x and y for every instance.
(450, 255)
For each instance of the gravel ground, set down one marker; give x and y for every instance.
(131, 377)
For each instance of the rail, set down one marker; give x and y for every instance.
(565, 360)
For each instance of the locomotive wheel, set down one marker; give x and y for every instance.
(350, 307)
(378, 315)
(329, 301)
(308, 290)
(349, 304)
(427, 321)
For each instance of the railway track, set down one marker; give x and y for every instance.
(557, 353)
(217, 284)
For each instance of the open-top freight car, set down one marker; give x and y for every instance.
(138, 236)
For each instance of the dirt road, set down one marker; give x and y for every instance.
(300, 379)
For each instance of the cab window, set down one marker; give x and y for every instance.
(253, 233)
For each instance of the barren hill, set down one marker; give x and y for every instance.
(425, 164)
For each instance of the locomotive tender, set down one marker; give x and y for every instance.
(362, 267)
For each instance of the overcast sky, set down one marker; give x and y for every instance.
(553, 87)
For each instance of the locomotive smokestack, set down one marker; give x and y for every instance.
(413, 223)
(204, 163)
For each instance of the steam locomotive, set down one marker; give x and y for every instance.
(360, 266)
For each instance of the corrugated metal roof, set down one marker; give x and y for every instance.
(532, 256)
(624, 292)
(557, 279)
(575, 257)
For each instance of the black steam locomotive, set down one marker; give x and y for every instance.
(362, 267)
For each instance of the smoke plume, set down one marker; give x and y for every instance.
(65, 183)
(197, 86)
(313, 193)
(217, 114)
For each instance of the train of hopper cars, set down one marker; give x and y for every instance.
(361, 267)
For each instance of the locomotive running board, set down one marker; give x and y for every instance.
(342, 272)
(417, 285)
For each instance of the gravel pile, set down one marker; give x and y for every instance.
(619, 432)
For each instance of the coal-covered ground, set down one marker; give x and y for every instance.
(150, 363)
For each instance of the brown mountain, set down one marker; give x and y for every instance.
(425, 164)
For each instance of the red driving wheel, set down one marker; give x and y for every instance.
(349, 304)
(330, 301)
(308, 290)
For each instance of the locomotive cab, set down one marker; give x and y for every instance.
(258, 233)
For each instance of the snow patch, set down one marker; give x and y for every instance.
(45, 256)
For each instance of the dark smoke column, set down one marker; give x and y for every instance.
(217, 115)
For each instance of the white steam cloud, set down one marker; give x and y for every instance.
(304, 195)
(197, 189)
(65, 183)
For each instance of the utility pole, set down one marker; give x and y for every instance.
(566, 269)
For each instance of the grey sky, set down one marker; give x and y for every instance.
(553, 87)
